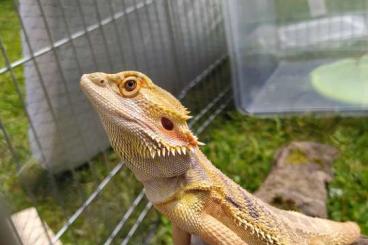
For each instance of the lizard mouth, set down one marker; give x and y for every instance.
(157, 147)
(165, 150)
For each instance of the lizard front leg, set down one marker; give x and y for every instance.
(214, 232)
(180, 237)
(187, 212)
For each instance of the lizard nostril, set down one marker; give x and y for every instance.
(101, 82)
(167, 123)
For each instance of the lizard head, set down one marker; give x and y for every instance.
(140, 118)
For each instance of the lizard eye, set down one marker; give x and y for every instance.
(167, 123)
(129, 87)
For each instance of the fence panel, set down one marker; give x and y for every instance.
(54, 152)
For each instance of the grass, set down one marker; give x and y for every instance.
(11, 112)
(301, 10)
(241, 146)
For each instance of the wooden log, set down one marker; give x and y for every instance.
(299, 177)
(31, 229)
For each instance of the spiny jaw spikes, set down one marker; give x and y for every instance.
(158, 148)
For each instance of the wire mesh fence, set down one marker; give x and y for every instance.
(54, 154)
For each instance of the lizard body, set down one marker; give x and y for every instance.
(148, 127)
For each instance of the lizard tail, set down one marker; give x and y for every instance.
(317, 230)
(362, 240)
(343, 233)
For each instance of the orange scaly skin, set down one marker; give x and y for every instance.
(148, 127)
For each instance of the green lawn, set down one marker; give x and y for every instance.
(297, 10)
(11, 112)
(241, 146)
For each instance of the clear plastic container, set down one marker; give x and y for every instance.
(298, 56)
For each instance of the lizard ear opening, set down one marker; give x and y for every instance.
(167, 123)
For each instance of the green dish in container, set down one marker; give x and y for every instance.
(344, 80)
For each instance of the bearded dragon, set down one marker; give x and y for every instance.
(147, 127)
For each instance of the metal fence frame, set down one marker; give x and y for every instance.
(210, 108)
